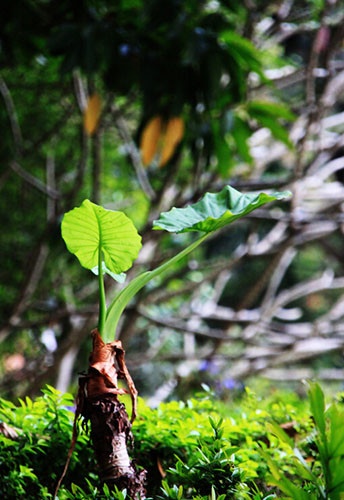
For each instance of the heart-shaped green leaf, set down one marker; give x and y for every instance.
(214, 211)
(90, 229)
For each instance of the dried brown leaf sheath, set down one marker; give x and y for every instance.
(98, 403)
(107, 365)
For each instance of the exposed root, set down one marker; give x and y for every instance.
(111, 435)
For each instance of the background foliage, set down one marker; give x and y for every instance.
(258, 88)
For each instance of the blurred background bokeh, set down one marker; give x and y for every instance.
(253, 93)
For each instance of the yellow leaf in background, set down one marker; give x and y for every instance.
(92, 114)
(150, 139)
(161, 138)
(174, 133)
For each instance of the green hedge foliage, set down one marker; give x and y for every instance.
(279, 446)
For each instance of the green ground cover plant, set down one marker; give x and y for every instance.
(279, 445)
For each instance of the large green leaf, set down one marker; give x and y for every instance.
(89, 230)
(214, 211)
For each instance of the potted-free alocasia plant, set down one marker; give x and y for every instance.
(107, 242)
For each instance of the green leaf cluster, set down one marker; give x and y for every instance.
(108, 241)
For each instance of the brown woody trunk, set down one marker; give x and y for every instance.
(110, 425)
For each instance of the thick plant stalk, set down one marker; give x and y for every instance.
(110, 425)
(111, 434)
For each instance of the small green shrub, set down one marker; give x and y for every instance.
(255, 448)
(205, 438)
(32, 463)
(318, 460)
(210, 468)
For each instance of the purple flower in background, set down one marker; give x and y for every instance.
(230, 384)
(207, 365)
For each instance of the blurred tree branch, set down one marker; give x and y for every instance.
(266, 294)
